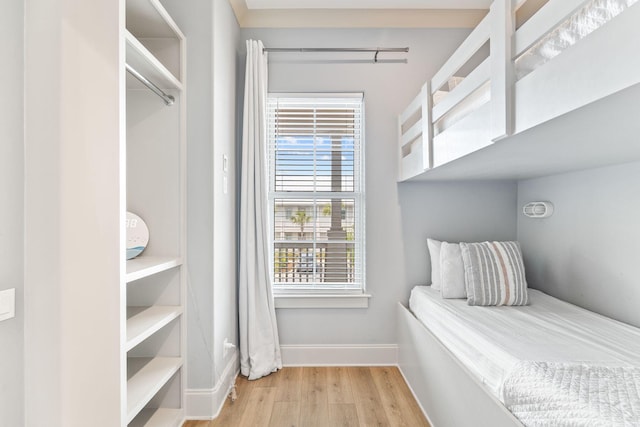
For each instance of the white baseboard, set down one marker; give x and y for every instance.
(340, 355)
(206, 404)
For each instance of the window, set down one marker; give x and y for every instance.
(316, 193)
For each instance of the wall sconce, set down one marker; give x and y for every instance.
(538, 209)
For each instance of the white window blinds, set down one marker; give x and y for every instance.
(316, 192)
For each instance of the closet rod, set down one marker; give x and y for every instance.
(168, 99)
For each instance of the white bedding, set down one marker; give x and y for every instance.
(574, 394)
(592, 16)
(491, 341)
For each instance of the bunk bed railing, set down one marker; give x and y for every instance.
(416, 139)
(474, 41)
(415, 131)
(479, 76)
(502, 106)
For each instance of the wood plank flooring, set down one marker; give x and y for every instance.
(321, 397)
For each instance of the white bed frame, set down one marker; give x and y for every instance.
(449, 394)
(603, 63)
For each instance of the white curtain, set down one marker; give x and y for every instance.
(259, 344)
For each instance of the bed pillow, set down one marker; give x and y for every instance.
(494, 273)
(452, 284)
(434, 253)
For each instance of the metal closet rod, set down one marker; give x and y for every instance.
(168, 99)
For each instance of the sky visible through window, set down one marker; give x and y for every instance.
(299, 156)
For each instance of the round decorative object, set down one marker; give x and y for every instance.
(137, 235)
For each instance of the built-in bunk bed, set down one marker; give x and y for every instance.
(561, 92)
(550, 90)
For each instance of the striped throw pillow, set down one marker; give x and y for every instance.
(494, 273)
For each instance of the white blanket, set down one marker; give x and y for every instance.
(491, 341)
(592, 16)
(558, 394)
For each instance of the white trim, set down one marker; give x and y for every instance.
(322, 301)
(340, 355)
(319, 95)
(356, 18)
(206, 404)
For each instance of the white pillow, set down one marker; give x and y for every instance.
(434, 252)
(452, 283)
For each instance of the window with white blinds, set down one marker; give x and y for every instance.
(316, 192)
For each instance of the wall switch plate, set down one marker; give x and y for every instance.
(7, 304)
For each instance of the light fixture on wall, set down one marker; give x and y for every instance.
(538, 209)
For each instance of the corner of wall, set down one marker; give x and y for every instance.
(206, 404)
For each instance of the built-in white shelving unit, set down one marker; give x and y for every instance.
(155, 340)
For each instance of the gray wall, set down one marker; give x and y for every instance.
(455, 212)
(11, 210)
(587, 252)
(212, 37)
(399, 217)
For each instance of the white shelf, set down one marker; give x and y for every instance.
(161, 417)
(144, 62)
(142, 322)
(148, 18)
(149, 376)
(142, 266)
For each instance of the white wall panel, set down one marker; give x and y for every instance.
(11, 210)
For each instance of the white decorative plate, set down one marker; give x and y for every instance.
(137, 235)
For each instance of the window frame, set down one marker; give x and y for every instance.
(333, 297)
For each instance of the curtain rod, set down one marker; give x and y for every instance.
(168, 99)
(335, 49)
(375, 50)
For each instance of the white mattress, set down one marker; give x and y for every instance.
(490, 341)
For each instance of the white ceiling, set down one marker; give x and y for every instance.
(368, 4)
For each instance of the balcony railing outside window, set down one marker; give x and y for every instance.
(316, 191)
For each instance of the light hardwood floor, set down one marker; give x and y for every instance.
(322, 397)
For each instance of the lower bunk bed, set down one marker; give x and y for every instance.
(546, 364)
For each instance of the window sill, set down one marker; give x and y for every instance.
(321, 301)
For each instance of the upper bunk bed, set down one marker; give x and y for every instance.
(560, 92)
